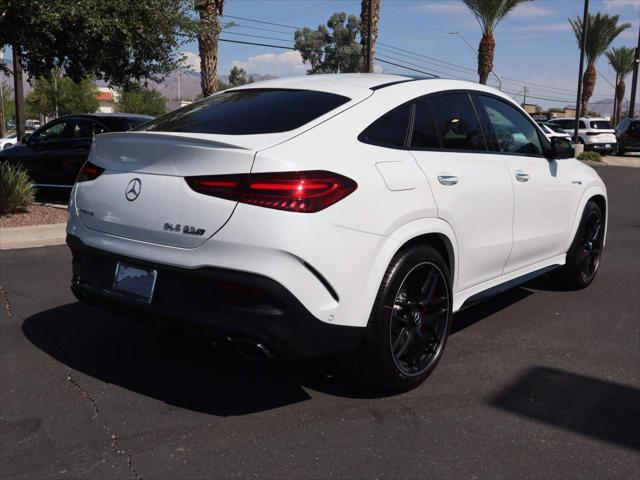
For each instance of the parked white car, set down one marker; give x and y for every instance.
(8, 141)
(595, 134)
(551, 130)
(329, 213)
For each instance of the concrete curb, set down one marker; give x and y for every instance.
(32, 236)
(627, 161)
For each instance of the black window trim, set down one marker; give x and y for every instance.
(480, 115)
(544, 141)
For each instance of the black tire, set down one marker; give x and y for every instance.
(583, 257)
(421, 326)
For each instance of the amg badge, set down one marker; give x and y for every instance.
(189, 230)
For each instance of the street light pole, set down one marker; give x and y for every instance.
(18, 92)
(634, 82)
(585, 27)
(476, 52)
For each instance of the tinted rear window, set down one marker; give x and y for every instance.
(390, 130)
(601, 125)
(249, 112)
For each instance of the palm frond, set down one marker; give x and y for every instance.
(621, 60)
(488, 13)
(602, 29)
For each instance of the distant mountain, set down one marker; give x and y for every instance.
(605, 106)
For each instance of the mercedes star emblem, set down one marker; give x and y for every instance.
(133, 189)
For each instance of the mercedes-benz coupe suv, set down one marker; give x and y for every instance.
(333, 213)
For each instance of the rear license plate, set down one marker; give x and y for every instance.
(608, 145)
(135, 282)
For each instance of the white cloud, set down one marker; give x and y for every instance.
(620, 4)
(279, 64)
(549, 27)
(528, 10)
(450, 8)
(191, 61)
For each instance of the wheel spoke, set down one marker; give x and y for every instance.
(403, 345)
(426, 293)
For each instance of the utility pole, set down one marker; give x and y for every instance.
(19, 92)
(1, 99)
(614, 114)
(634, 82)
(524, 101)
(369, 57)
(585, 26)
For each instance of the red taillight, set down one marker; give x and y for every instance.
(89, 171)
(308, 192)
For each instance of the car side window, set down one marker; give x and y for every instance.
(86, 129)
(424, 133)
(51, 132)
(390, 130)
(513, 132)
(457, 122)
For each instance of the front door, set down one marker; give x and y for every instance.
(542, 188)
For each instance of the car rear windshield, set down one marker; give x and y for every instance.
(248, 112)
(601, 125)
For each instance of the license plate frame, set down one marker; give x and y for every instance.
(134, 281)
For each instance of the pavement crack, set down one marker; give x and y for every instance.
(7, 302)
(97, 418)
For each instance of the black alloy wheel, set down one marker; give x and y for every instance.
(592, 237)
(419, 318)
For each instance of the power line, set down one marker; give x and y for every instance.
(262, 21)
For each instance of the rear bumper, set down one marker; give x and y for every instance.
(227, 303)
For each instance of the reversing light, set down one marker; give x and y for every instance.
(88, 172)
(307, 192)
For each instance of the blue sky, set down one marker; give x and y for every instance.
(535, 46)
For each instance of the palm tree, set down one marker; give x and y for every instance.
(364, 25)
(621, 60)
(209, 12)
(602, 29)
(489, 13)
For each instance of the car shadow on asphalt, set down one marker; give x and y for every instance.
(179, 367)
(596, 408)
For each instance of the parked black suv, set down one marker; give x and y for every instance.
(54, 153)
(628, 135)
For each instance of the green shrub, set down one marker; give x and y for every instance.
(17, 190)
(590, 156)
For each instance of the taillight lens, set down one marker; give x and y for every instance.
(89, 171)
(309, 191)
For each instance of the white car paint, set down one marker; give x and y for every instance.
(600, 139)
(497, 227)
(8, 141)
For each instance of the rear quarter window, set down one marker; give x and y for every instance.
(601, 125)
(390, 130)
(248, 112)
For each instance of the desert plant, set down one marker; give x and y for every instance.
(17, 190)
(489, 13)
(621, 60)
(590, 156)
(602, 29)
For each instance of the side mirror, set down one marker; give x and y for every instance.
(561, 148)
(26, 138)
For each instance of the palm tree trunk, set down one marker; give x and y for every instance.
(485, 57)
(614, 118)
(588, 86)
(364, 26)
(620, 88)
(209, 11)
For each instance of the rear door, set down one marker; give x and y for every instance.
(542, 188)
(471, 187)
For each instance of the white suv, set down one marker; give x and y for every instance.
(333, 213)
(594, 133)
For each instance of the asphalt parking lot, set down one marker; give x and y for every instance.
(535, 383)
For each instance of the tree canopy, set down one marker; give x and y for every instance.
(69, 96)
(238, 77)
(332, 48)
(117, 40)
(143, 100)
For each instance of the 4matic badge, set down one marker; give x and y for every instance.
(188, 229)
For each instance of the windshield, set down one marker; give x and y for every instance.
(555, 128)
(248, 112)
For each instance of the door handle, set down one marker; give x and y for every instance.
(448, 180)
(522, 176)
